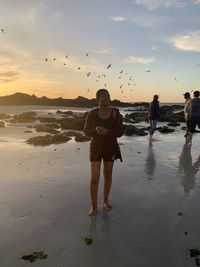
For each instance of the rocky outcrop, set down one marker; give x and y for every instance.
(4, 116)
(2, 124)
(173, 124)
(46, 128)
(24, 117)
(72, 123)
(165, 129)
(20, 99)
(130, 130)
(48, 140)
(82, 138)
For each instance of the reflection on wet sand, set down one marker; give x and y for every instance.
(150, 162)
(188, 169)
(104, 222)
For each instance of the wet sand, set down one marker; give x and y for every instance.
(44, 202)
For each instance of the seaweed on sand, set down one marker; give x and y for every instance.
(33, 256)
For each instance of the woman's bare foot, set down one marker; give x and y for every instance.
(93, 212)
(107, 207)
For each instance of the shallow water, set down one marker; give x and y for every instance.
(44, 200)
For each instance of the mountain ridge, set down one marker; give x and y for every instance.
(23, 99)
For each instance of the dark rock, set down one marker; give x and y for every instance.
(132, 130)
(70, 113)
(4, 116)
(2, 124)
(136, 116)
(165, 129)
(48, 140)
(72, 133)
(46, 128)
(24, 117)
(72, 123)
(47, 119)
(82, 138)
(173, 124)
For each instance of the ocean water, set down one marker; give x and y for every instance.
(42, 110)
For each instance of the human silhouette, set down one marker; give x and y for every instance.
(188, 169)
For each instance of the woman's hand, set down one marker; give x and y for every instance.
(101, 130)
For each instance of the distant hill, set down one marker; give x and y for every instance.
(21, 99)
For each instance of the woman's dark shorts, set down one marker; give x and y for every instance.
(101, 155)
(192, 123)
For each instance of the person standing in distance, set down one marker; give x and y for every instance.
(103, 124)
(193, 110)
(187, 99)
(153, 116)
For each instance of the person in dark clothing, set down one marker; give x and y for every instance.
(187, 99)
(153, 115)
(193, 110)
(103, 124)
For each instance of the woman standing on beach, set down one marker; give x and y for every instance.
(153, 116)
(103, 125)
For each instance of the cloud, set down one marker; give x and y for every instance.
(156, 4)
(8, 76)
(103, 51)
(118, 18)
(187, 42)
(154, 48)
(140, 60)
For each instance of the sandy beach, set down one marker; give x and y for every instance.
(44, 202)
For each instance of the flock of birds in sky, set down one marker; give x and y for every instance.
(97, 78)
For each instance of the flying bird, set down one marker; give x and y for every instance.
(79, 68)
(121, 86)
(54, 58)
(64, 64)
(2, 30)
(46, 59)
(88, 74)
(121, 71)
(103, 75)
(147, 70)
(109, 66)
(87, 54)
(175, 78)
(105, 84)
(67, 56)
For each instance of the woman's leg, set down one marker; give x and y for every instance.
(153, 125)
(95, 175)
(107, 170)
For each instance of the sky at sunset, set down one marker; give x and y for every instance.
(64, 48)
